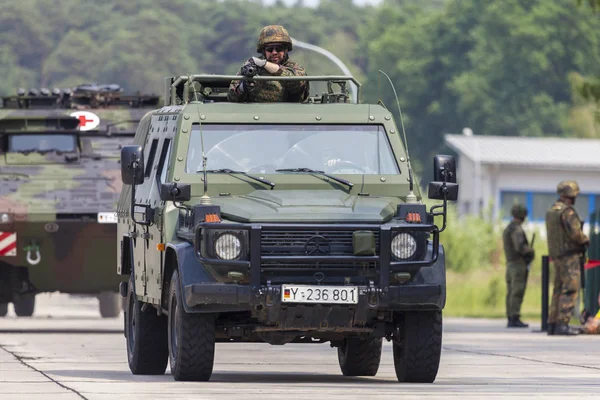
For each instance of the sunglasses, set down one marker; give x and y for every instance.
(274, 49)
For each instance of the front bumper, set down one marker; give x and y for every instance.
(233, 297)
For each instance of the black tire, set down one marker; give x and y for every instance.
(110, 304)
(146, 337)
(191, 339)
(418, 349)
(360, 357)
(3, 309)
(24, 304)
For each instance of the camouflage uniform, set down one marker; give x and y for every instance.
(566, 244)
(518, 255)
(272, 91)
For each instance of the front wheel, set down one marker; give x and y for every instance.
(418, 346)
(24, 304)
(360, 357)
(191, 339)
(146, 336)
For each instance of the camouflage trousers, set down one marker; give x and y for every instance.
(516, 282)
(566, 285)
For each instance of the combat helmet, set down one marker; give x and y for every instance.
(273, 34)
(519, 211)
(567, 189)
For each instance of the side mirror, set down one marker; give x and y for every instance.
(175, 192)
(132, 165)
(444, 169)
(444, 184)
(437, 189)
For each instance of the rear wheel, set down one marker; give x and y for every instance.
(360, 357)
(24, 304)
(110, 304)
(191, 339)
(3, 309)
(146, 336)
(418, 347)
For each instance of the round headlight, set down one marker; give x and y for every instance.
(4, 218)
(228, 247)
(404, 246)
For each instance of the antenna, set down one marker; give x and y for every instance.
(411, 198)
(205, 199)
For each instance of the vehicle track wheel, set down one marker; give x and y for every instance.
(418, 346)
(3, 309)
(146, 336)
(24, 304)
(360, 357)
(191, 339)
(110, 304)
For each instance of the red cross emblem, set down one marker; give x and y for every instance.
(87, 120)
(83, 121)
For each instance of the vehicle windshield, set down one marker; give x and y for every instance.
(335, 149)
(42, 143)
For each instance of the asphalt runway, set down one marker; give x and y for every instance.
(66, 351)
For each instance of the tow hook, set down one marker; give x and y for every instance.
(373, 295)
(33, 248)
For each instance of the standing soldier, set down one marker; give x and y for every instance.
(518, 256)
(566, 245)
(273, 44)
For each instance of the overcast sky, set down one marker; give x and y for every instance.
(313, 3)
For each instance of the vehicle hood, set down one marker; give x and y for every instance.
(310, 206)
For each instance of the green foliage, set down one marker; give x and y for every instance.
(499, 67)
(470, 242)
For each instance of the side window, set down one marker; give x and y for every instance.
(150, 158)
(161, 173)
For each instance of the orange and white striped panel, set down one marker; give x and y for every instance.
(8, 244)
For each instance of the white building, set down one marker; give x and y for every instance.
(500, 170)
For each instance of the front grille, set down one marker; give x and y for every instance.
(302, 242)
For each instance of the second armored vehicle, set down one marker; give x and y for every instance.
(59, 183)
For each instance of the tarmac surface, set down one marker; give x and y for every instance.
(66, 351)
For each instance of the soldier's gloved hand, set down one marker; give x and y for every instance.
(259, 62)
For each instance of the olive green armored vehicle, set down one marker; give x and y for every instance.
(278, 223)
(59, 185)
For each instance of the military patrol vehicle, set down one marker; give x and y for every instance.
(59, 184)
(278, 223)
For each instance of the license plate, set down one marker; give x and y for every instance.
(107, 218)
(319, 294)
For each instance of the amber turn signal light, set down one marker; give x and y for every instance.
(212, 218)
(413, 217)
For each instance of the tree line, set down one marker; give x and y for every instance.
(511, 67)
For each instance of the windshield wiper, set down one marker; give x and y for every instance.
(316, 172)
(231, 171)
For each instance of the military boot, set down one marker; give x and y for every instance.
(515, 322)
(564, 329)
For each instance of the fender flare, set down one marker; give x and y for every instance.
(190, 268)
